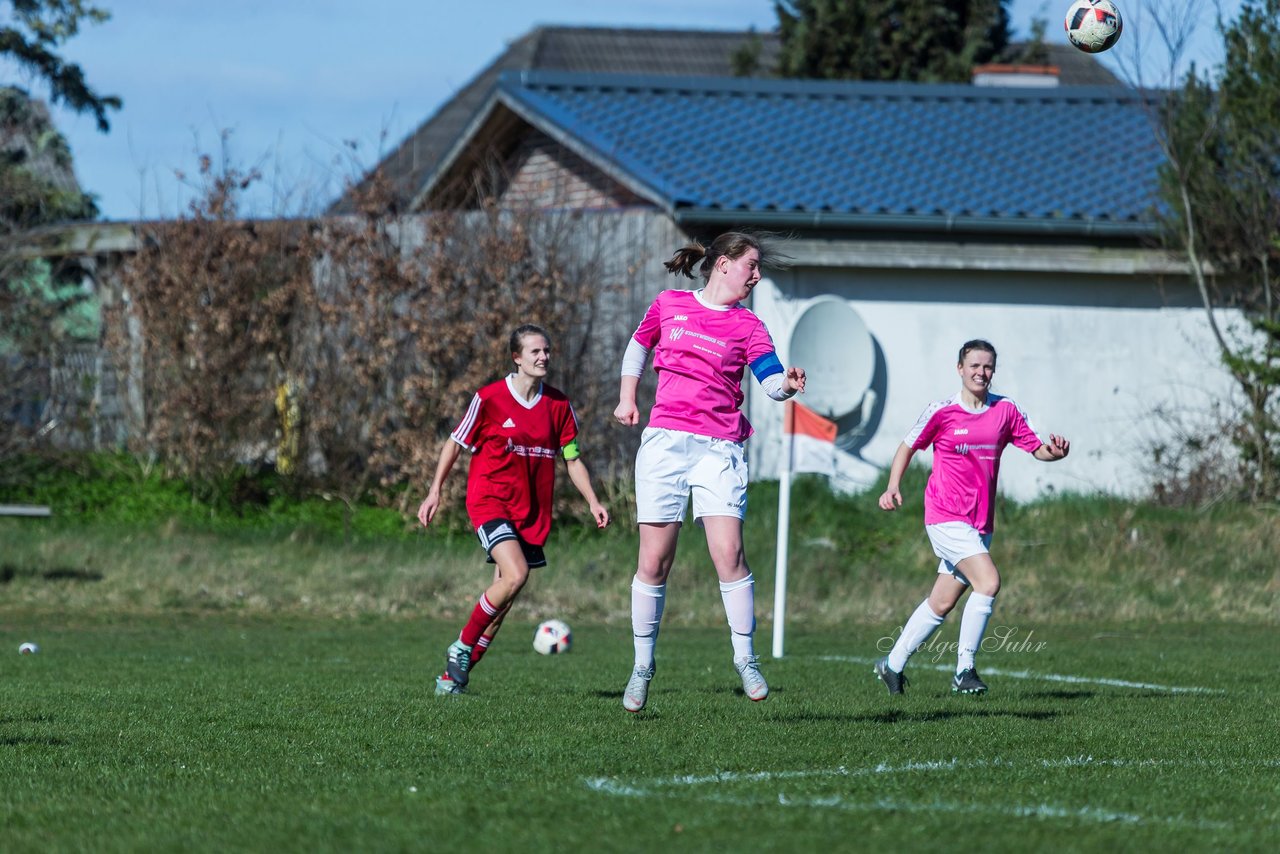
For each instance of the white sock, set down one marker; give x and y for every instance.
(646, 614)
(973, 625)
(739, 599)
(922, 623)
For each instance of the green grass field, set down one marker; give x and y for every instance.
(221, 732)
(211, 681)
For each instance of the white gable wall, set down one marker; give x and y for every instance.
(1091, 357)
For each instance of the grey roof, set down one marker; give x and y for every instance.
(701, 53)
(614, 50)
(582, 49)
(1076, 68)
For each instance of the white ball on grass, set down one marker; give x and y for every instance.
(553, 637)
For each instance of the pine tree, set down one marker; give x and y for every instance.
(920, 40)
(30, 36)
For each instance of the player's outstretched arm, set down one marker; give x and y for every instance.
(1055, 449)
(794, 380)
(581, 479)
(449, 453)
(891, 499)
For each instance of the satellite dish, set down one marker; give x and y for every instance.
(832, 344)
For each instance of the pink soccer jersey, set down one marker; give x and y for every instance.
(700, 353)
(966, 457)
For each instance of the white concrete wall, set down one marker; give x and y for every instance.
(1091, 357)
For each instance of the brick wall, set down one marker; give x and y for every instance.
(545, 174)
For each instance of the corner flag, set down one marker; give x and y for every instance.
(811, 440)
(809, 445)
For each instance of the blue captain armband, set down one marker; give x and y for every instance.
(571, 451)
(766, 366)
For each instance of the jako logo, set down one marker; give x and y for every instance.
(681, 317)
(676, 333)
(960, 431)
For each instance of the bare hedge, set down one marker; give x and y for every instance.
(343, 350)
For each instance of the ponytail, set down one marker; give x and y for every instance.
(682, 262)
(732, 244)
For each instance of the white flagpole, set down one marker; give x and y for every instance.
(784, 525)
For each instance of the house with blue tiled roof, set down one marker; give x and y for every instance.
(671, 51)
(1021, 208)
(851, 155)
(918, 216)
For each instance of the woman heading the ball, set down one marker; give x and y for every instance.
(515, 428)
(702, 341)
(968, 432)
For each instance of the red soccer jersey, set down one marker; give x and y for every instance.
(514, 445)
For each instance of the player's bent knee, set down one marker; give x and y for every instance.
(656, 576)
(513, 579)
(729, 561)
(988, 585)
(942, 607)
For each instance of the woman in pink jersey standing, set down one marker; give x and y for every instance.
(702, 342)
(515, 429)
(968, 432)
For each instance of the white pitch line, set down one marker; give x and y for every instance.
(615, 787)
(667, 787)
(1045, 677)
(1091, 814)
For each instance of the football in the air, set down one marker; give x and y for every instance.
(553, 637)
(1093, 25)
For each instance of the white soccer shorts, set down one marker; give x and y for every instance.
(673, 465)
(955, 541)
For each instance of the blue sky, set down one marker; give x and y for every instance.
(292, 83)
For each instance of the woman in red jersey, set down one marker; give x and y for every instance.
(515, 429)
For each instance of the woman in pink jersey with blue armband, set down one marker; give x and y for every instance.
(702, 343)
(968, 433)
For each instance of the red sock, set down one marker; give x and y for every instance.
(478, 651)
(481, 618)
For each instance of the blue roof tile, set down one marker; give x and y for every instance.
(1075, 155)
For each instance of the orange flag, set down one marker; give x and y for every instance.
(812, 440)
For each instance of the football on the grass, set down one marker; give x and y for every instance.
(553, 637)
